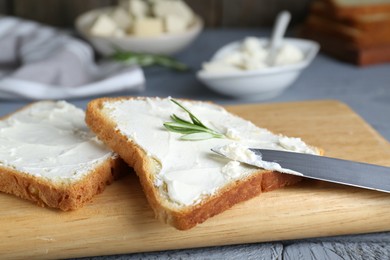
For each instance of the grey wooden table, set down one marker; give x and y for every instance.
(365, 90)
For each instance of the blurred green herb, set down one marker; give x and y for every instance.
(144, 60)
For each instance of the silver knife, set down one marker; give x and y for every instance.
(323, 168)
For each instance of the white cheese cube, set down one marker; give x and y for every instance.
(138, 8)
(103, 26)
(121, 18)
(173, 7)
(148, 27)
(174, 24)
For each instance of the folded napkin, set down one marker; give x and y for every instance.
(40, 62)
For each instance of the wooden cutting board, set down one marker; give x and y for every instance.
(120, 220)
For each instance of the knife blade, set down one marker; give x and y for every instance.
(335, 170)
(351, 173)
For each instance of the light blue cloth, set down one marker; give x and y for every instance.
(40, 62)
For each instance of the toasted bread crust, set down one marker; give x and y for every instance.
(186, 217)
(350, 35)
(239, 192)
(355, 10)
(368, 22)
(65, 196)
(348, 52)
(358, 33)
(62, 196)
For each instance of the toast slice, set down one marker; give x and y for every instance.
(362, 39)
(184, 182)
(367, 22)
(353, 8)
(349, 34)
(346, 51)
(49, 156)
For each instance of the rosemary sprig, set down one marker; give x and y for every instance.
(193, 130)
(145, 59)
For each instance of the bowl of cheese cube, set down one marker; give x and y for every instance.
(144, 26)
(241, 69)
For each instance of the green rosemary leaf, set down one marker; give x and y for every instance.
(177, 119)
(194, 119)
(194, 130)
(146, 59)
(185, 127)
(170, 63)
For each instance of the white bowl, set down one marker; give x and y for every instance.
(263, 83)
(167, 43)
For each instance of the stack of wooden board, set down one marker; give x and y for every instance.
(356, 31)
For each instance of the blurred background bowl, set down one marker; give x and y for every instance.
(166, 44)
(263, 83)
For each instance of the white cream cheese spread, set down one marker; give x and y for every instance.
(50, 140)
(252, 55)
(189, 169)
